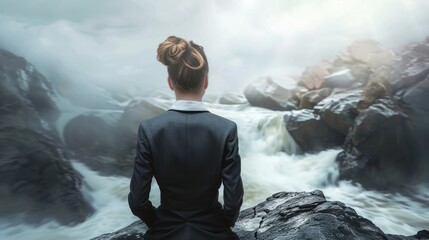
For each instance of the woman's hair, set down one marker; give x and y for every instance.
(186, 63)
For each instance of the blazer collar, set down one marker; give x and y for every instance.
(187, 105)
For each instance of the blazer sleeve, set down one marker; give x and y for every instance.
(138, 198)
(232, 183)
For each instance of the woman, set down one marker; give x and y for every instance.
(190, 152)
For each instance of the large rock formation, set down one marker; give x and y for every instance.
(292, 215)
(379, 150)
(37, 182)
(409, 77)
(389, 143)
(379, 99)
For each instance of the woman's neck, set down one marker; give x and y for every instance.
(189, 96)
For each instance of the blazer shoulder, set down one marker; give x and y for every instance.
(148, 122)
(227, 123)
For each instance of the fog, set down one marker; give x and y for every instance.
(113, 44)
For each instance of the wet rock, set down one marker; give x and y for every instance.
(374, 90)
(37, 182)
(378, 149)
(410, 65)
(311, 98)
(94, 133)
(96, 139)
(415, 103)
(340, 79)
(423, 234)
(132, 232)
(310, 132)
(27, 98)
(313, 76)
(291, 215)
(268, 94)
(339, 111)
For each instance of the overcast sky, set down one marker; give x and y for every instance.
(113, 43)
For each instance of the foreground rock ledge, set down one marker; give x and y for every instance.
(292, 215)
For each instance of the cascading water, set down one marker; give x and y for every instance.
(269, 165)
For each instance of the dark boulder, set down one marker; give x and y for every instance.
(415, 103)
(26, 97)
(339, 111)
(423, 234)
(290, 215)
(378, 150)
(268, 94)
(96, 139)
(410, 65)
(94, 133)
(37, 182)
(310, 132)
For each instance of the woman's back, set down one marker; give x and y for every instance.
(190, 151)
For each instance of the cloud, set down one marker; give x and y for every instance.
(113, 43)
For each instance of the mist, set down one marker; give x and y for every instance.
(112, 44)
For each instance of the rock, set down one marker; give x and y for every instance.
(359, 70)
(94, 133)
(370, 51)
(415, 102)
(132, 232)
(340, 79)
(339, 111)
(312, 77)
(410, 65)
(96, 139)
(232, 98)
(423, 234)
(37, 182)
(373, 91)
(311, 98)
(268, 94)
(416, 97)
(378, 150)
(26, 97)
(310, 132)
(290, 215)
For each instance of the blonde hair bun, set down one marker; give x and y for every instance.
(186, 62)
(175, 50)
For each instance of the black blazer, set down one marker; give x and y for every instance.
(189, 153)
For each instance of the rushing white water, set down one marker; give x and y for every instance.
(268, 166)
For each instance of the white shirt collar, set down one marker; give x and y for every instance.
(187, 105)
